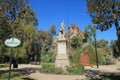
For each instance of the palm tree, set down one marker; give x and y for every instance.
(92, 33)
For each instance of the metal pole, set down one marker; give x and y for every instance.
(96, 54)
(9, 76)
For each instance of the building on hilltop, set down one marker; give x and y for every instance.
(75, 31)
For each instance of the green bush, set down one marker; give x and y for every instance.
(49, 57)
(76, 59)
(1, 65)
(51, 68)
(75, 69)
(92, 55)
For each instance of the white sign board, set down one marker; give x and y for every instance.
(12, 42)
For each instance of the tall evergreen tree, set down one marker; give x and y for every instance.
(8, 12)
(17, 18)
(52, 30)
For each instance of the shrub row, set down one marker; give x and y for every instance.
(53, 69)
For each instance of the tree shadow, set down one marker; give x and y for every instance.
(108, 77)
(99, 75)
(27, 79)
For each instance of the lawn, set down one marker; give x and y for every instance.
(15, 75)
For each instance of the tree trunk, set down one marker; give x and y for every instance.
(118, 34)
(97, 64)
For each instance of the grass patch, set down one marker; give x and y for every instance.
(75, 69)
(53, 69)
(15, 75)
(14, 78)
(3, 65)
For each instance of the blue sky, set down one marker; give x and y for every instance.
(51, 12)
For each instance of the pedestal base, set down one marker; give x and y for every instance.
(62, 60)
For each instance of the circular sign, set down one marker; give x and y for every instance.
(12, 42)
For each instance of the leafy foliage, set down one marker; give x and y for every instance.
(44, 37)
(104, 13)
(9, 12)
(75, 69)
(49, 57)
(17, 19)
(102, 43)
(115, 48)
(51, 68)
(52, 30)
(75, 42)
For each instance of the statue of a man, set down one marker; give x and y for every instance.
(62, 30)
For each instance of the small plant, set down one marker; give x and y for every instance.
(49, 57)
(75, 69)
(51, 68)
(3, 65)
(13, 74)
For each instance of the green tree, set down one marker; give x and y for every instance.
(8, 12)
(114, 48)
(75, 42)
(92, 30)
(25, 17)
(10, 8)
(104, 14)
(19, 19)
(45, 39)
(86, 34)
(52, 30)
(102, 43)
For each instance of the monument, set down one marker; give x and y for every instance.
(62, 57)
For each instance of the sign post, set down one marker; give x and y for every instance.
(12, 42)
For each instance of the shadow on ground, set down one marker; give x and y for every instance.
(27, 79)
(99, 75)
(18, 72)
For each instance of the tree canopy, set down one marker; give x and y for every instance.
(19, 20)
(105, 14)
(102, 43)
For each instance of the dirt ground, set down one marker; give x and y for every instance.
(39, 76)
(103, 68)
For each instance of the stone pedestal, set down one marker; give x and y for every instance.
(62, 57)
